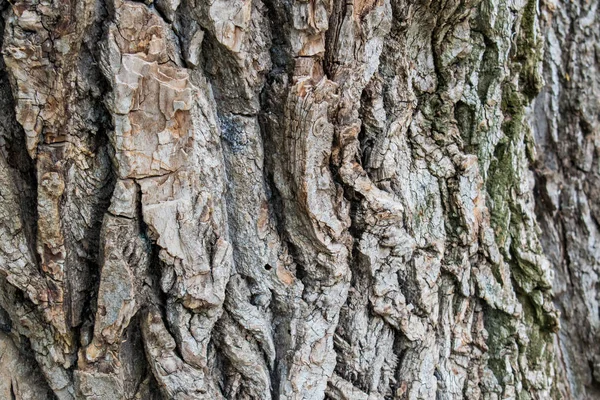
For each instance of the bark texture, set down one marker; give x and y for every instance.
(300, 199)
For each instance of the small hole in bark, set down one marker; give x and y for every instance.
(268, 267)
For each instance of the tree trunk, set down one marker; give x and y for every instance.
(300, 199)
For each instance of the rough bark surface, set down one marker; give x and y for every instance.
(300, 199)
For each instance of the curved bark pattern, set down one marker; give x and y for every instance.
(299, 199)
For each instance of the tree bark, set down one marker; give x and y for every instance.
(300, 199)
